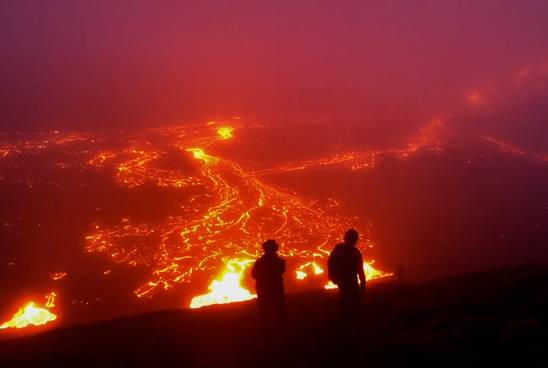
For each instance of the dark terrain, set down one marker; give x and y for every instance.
(482, 319)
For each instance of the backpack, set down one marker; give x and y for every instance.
(335, 265)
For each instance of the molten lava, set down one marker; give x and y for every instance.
(228, 212)
(227, 288)
(199, 154)
(371, 273)
(226, 208)
(309, 267)
(231, 213)
(225, 132)
(31, 314)
(56, 276)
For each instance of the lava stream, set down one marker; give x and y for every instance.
(371, 273)
(32, 314)
(227, 288)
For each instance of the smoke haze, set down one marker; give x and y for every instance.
(101, 64)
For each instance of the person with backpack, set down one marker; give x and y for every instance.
(345, 266)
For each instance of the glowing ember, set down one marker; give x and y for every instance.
(371, 273)
(32, 314)
(225, 132)
(56, 276)
(199, 154)
(227, 288)
(50, 299)
(304, 270)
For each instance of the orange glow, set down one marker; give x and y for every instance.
(304, 270)
(474, 98)
(56, 276)
(199, 154)
(428, 137)
(233, 210)
(225, 132)
(32, 314)
(515, 150)
(227, 287)
(371, 273)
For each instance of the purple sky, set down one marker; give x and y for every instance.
(80, 64)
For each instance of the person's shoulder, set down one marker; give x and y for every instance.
(337, 249)
(356, 251)
(339, 246)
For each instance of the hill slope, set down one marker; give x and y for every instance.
(498, 317)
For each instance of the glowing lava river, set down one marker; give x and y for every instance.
(226, 212)
(224, 236)
(200, 241)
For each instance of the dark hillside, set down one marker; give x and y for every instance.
(488, 319)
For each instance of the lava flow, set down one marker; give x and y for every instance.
(230, 213)
(227, 288)
(32, 314)
(371, 273)
(222, 209)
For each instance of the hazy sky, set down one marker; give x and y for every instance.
(122, 63)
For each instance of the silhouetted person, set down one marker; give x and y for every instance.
(345, 266)
(268, 272)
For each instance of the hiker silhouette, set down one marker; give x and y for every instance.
(268, 272)
(344, 266)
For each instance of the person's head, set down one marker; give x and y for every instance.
(270, 246)
(351, 237)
